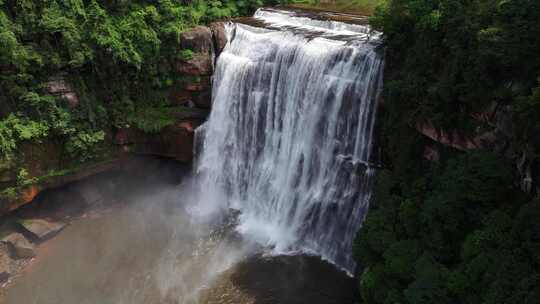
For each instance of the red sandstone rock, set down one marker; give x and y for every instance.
(199, 65)
(187, 126)
(197, 39)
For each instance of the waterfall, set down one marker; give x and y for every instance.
(288, 141)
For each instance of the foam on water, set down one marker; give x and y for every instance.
(288, 142)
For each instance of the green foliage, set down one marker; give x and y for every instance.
(16, 128)
(83, 145)
(447, 61)
(152, 119)
(440, 247)
(9, 193)
(117, 56)
(23, 178)
(451, 59)
(186, 54)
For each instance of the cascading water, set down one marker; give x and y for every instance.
(288, 141)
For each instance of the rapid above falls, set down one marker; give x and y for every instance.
(289, 138)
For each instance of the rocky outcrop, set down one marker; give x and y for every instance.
(452, 138)
(495, 133)
(175, 141)
(219, 36)
(22, 195)
(199, 42)
(194, 88)
(41, 229)
(58, 85)
(192, 91)
(20, 247)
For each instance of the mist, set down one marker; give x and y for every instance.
(147, 234)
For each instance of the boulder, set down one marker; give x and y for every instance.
(42, 229)
(197, 39)
(19, 246)
(5, 263)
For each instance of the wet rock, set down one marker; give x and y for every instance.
(20, 247)
(192, 91)
(5, 263)
(219, 36)
(42, 229)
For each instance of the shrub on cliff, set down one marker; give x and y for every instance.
(117, 55)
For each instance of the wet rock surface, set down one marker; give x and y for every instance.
(219, 36)
(41, 229)
(19, 246)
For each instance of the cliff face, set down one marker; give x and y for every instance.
(496, 134)
(47, 166)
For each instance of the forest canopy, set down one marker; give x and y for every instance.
(459, 229)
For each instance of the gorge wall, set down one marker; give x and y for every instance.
(45, 163)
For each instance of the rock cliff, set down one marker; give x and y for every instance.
(47, 165)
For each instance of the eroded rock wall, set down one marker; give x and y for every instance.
(48, 167)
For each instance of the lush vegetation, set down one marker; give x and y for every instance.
(456, 230)
(118, 56)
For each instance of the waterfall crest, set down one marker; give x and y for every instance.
(288, 141)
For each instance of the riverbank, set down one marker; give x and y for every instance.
(37, 225)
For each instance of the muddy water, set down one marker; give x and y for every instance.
(151, 250)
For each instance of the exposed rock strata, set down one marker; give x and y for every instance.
(495, 134)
